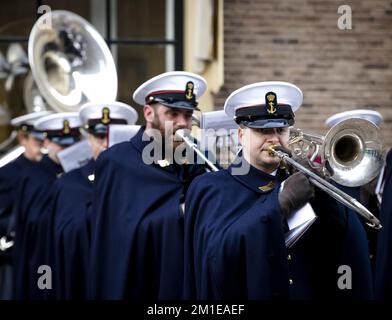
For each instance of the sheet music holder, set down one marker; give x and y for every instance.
(75, 156)
(218, 124)
(299, 222)
(121, 132)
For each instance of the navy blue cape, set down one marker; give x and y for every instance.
(355, 252)
(10, 176)
(33, 227)
(137, 225)
(234, 241)
(72, 197)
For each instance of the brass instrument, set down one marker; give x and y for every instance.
(351, 151)
(70, 65)
(70, 62)
(351, 154)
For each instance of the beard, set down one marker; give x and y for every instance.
(169, 139)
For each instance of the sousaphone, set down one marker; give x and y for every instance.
(70, 61)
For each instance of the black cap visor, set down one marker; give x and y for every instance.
(267, 123)
(65, 141)
(261, 117)
(177, 104)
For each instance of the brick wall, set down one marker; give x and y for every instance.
(299, 41)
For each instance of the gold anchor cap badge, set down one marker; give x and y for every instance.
(189, 90)
(270, 100)
(105, 115)
(66, 128)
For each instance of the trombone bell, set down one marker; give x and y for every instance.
(353, 150)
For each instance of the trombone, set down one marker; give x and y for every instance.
(351, 150)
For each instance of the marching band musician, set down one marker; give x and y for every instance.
(137, 218)
(10, 175)
(236, 219)
(32, 227)
(72, 197)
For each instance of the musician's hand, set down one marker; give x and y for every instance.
(297, 190)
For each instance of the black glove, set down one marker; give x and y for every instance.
(297, 190)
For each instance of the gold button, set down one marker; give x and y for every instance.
(288, 257)
(291, 281)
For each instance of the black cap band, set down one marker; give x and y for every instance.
(93, 122)
(73, 132)
(260, 117)
(173, 99)
(64, 139)
(26, 127)
(97, 127)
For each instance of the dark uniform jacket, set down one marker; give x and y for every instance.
(235, 245)
(33, 228)
(72, 196)
(10, 176)
(137, 224)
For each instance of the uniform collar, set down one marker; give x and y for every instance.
(52, 167)
(140, 142)
(258, 180)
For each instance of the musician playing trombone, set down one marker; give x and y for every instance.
(237, 221)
